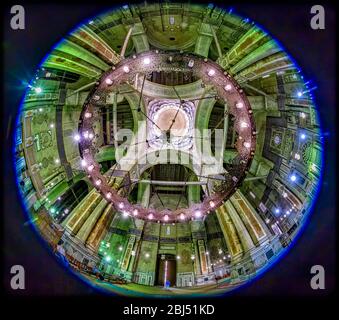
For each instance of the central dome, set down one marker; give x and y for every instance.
(172, 118)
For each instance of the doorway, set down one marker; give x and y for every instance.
(166, 269)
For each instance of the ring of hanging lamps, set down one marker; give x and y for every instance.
(209, 72)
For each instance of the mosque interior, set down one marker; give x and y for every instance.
(130, 87)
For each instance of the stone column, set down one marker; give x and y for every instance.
(29, 150)
(202, 256)
(108, 126)
(249, 217)
(100, 229)
(115, 120)
(87, 227)
(204, 40)
(139, 38)
(197, 269)
(136, 249)
(230, 234)
(245, 238)
(128, 253)
(77, 218)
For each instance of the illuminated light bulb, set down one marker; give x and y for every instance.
(90, 167)
(51, 125)
(150, 216)
(197, 214)
(166, 217)
(211, 72)
(220, 251)
(243, 124)
(147, 60)
(182, 216)
(108, 81)
(108, 258)
(135, 212)
(178, 257)
(299, 94)
(38, 90)
(120, 248)
(98, 182)
(228, 87)
(85, 134)
(83, 163)
(239, 105)
(277, 210)
(293, 178)
(125, 214)
(207, 253)
(108, 195)
(132, 253)
(224, 257)
(91, 136)
(57, 161)
(121, 205)
(96, 97)
(126, 69)
(88, 115)
(284, 194)
(297, 156)
(303, 115)
(247, 145)
(147, 255)
(40, 109)
(303, 136)
(212, 204)
(77, 137)
(267, 221)
(192, 257)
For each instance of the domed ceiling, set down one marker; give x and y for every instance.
(168, 146)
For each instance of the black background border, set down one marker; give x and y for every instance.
(287, 283)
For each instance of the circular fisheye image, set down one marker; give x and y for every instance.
(168, 149)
